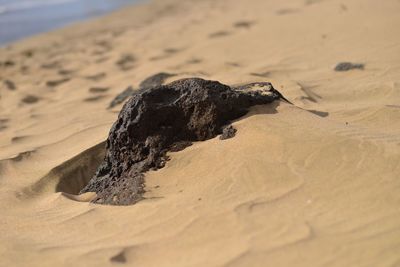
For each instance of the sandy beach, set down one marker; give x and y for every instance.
(315, 183)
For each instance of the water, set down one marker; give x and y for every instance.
(22, 18)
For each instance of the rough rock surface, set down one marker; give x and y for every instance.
(228, 132)
(161, 119)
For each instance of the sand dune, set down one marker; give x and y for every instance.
(309, 184)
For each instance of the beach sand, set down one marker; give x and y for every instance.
(310, 184)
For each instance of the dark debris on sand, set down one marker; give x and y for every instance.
(346, 66)
(164, 118)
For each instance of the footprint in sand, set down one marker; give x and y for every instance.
(55, 83)
(30, 99)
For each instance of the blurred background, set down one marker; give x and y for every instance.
(23, 18)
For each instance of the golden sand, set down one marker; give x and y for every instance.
(293, 188)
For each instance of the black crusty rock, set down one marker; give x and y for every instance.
(161, 119)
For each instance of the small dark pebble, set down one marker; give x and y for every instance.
(346, 66)
(228, 132)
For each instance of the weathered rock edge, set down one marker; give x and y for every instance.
(161, 119)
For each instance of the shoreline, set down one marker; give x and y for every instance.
(47, 17)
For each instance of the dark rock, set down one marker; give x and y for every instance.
(121, 97)
(155, 80)
(346, 66)
(228, 132)
(161, 119)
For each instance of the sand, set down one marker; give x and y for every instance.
(292, 188)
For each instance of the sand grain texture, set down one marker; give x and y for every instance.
(291, 188)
